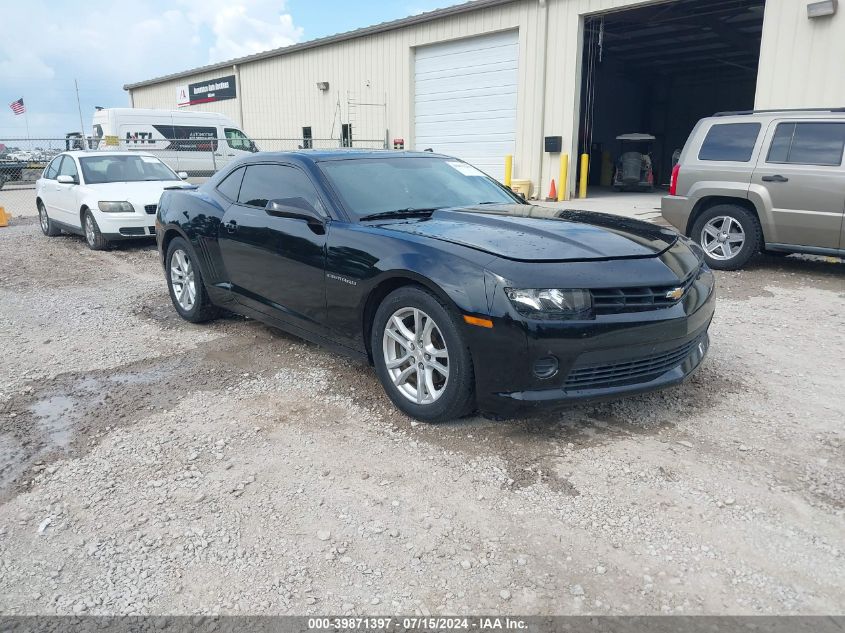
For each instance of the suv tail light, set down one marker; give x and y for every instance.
(673, 184)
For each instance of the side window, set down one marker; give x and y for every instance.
(68, 168)
(237, 139)
(819, 143)
(53, 168)
(730, 141)
(263, 183)
(231, 184)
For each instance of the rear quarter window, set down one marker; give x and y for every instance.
(816, 143)
(730, 142)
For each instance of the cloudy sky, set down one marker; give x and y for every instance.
(46, 44)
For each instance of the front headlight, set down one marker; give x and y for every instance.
(116, 207)
(551, 303)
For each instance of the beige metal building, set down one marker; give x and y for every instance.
(493, 77)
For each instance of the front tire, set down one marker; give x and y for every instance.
(421, 357)
(729, 234)
(48, 227)
(184, 281)
(93, 237)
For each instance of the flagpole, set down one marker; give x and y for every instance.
(26, 120)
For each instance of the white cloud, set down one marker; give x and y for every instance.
(45, 45)
(243, 28)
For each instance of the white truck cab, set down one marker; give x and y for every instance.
(199, 143)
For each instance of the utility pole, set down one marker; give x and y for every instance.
(81, 123)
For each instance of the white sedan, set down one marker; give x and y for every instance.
(103, 196)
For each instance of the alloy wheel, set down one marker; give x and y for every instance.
(182, 279)
(722, 237)
(415, 355)
(90, 236)
(42, 216)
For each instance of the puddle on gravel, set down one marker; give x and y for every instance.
(66, 415)
(55, 415)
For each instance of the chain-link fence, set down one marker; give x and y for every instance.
(23, 160)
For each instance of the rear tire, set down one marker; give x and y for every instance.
(93, 237)
(48, 227)
(184, 281)
(729, 234)
(417, 341)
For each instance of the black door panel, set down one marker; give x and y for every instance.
(278, 263)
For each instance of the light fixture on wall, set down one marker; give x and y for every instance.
(322, 85)
(821, 9)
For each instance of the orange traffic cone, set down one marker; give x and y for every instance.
(552, 192)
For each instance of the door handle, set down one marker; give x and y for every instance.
(775, 178)
(231, 226)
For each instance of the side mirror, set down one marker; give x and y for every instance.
(296, 209)
(182, 174)
(66, 180)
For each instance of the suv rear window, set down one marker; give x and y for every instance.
(808, 144)
(730, 141)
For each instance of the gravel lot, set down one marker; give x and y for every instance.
(148, 465)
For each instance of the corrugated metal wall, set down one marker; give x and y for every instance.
(801, 60)
(800, 66)
(281, 94)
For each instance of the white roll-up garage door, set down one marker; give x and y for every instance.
(465, 99)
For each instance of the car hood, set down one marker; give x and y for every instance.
(147, 191)
(532, 233)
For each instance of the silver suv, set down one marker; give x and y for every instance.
(763, 180)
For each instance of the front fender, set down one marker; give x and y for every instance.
(364, 264)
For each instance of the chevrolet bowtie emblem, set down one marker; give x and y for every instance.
(675, 294)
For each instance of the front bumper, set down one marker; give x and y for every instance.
(115, 226)
(607, 358)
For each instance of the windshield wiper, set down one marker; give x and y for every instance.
(400, 213)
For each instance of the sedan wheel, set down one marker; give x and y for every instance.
(421, 355)
(93, 237)
(722, 237)
(182, 280)
(416, 356)
(47, 227)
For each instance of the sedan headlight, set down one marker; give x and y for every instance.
(551, 303)
(116, 207)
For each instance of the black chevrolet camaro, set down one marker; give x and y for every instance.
(460, 294)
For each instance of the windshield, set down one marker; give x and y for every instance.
(380, 185)
(129, 168)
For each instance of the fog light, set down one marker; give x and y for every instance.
(545, 367)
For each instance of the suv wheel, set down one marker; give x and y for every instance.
(729, 234)
(420, 356)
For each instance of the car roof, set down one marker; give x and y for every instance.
(79, 153)
(320, 155)
(768, 115)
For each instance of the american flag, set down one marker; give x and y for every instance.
(17, 106)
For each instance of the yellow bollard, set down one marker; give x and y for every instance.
(563, 190)
(508, 169)
(585, 165)
(4, 219)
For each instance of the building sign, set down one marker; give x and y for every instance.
(218, 89)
